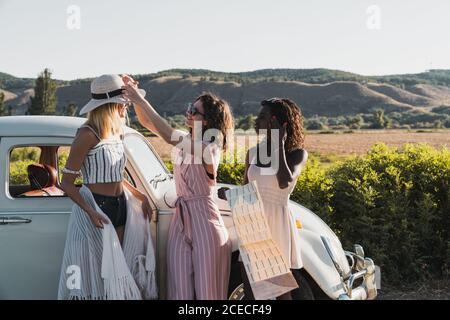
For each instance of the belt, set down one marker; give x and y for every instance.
(183, 215)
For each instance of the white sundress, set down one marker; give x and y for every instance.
(280, 219)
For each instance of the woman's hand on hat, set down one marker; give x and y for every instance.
(131, 92)
(127, 79)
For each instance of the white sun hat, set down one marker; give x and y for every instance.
(106, 89)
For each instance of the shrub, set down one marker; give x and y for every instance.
(231, 173)
(18, 172)
(313, 189)
(395, 203)
(314, 124)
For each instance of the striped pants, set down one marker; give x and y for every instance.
(199, 252)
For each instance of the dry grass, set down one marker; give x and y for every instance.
(437, 290)
(345, 144)
(361, 142)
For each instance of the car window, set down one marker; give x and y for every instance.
(34, 172)
(19, 160)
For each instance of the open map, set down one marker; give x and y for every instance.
(264, 263)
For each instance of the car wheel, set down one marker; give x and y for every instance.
(237, 293)
(303, 292)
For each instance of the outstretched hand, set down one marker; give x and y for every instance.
(127, 79)
(130, 90)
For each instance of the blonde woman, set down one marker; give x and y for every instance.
(98, 155)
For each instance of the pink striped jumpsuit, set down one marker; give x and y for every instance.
(199, 248)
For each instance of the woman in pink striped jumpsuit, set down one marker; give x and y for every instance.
(199, 248)
(199, 251)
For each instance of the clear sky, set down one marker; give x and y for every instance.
(137, 36)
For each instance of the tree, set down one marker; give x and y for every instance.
(379, 122)
(246, 123)
(438, 124)
(314, 124)
(44, 100)
(2, 106)
(355, 122)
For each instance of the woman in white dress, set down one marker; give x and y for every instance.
(276, 179)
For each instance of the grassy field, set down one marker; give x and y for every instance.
(335, 146)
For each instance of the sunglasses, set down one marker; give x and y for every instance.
(193, 110)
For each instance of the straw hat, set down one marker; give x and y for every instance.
(106, 89)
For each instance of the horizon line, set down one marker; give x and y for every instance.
(236, 72)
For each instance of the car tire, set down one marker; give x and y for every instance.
(303, 292)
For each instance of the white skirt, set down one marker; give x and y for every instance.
(284, 232)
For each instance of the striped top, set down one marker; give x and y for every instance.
(105, 162)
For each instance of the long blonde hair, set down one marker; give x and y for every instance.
(105, 120)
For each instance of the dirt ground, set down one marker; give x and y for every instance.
(421, 292)
(361, 142)
(344, 143)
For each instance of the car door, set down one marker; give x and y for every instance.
(32, 232)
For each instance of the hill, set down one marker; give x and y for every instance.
(318, 91)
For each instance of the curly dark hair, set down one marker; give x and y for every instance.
(286, 110)
(218, 116)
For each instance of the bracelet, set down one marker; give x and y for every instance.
(65, 170)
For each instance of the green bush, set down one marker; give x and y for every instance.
(18, 172)
(395, 202)
(313, 189)
(20, 159)
(232, 173)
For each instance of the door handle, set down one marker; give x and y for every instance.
(13, 220)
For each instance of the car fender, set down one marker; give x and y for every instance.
(318, 264)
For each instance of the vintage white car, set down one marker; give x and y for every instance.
(34, 213)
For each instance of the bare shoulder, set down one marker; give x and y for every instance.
(85, 137)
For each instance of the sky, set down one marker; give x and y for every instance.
(82, 38)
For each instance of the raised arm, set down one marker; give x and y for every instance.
(289, 164)
(147, 115)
